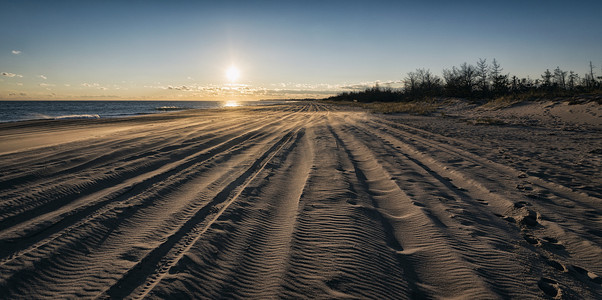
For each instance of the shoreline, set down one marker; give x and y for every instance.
(103, 109)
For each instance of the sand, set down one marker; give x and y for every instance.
(305, 200)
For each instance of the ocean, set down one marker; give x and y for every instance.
(11, 111)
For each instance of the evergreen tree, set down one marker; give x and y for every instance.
(482, 75)
(560, 78)
(547, 79)
(499, 81)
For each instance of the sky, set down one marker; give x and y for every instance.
(182, 50)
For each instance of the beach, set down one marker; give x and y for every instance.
(305, 200)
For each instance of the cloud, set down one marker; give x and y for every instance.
(94, 85)
(297, 92)
(43, 77)
(280, 90)
(46, 84)
(7, 74)
(370, 84)
(99, 96)
(180, 88)
(16, 52)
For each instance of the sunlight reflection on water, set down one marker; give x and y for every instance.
(231, 104)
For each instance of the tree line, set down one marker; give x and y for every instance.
(481, 81)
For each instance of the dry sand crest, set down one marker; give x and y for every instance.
(303, 201)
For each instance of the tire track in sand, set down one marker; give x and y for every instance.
(421, 241)
(253, 235)
(60, 191)
(318, 203)
(113, 198)
(74, 237)
(149, 271)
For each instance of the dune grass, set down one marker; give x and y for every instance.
(423, 107)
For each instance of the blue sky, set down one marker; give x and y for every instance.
(182, 49)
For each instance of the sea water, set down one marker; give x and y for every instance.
(11, 111)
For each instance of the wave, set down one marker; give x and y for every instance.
(169, 108)
(77, 117)
(65, 117)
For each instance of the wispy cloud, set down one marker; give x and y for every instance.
(94, 85)
(16, 52)
(281, 90)
(43, 77)
(369, 84)
(180, 88)
(99, 96)
(284, 90)
(7, 74)
(46, 84)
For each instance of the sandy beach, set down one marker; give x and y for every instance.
(305, 200)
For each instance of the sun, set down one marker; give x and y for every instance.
(232, 73)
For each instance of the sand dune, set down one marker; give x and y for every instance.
(298, 201)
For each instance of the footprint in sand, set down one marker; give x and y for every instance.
(531, 240)
(587, 274)
(553, 243)
(528, 218)
(520, 204)
(556, 265)
(550, 287)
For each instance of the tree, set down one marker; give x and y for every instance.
(495, 69)
(453, 81)
(547, 79)
(410, 83)
(560, 78)
(514, 84)
(469, 75)
(428, 81)
(482, 75)
(422, 83)
(499, 81)
(573, 79)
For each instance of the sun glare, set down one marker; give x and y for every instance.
(232, 73)
(231, 104)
